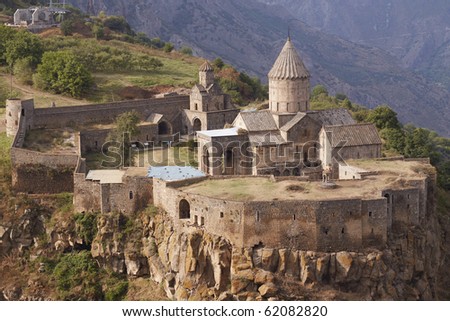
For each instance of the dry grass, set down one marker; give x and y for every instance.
(54, 140)
(141, 289)
(394, 174)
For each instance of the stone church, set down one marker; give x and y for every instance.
(288, 139)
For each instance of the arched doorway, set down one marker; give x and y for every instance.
(163, 128)
(184, 210)
(197, 125)
(286, 172)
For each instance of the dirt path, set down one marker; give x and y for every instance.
(28, 92)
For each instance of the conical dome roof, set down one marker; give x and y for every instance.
(206, 66)
(288, 65)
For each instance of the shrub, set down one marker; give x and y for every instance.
(76, 277)
(86, 226)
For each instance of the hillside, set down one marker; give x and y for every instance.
(250, 34)
(415, 32)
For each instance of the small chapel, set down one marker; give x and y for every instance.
(287, 139)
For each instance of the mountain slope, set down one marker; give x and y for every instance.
(250, 35)
(417, 32)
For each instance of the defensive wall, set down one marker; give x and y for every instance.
(328, 224)
(36, 172)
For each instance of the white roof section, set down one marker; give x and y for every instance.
(106, 176)
(174, 173)
(233, 131)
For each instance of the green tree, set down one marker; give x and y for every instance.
(168, 47)
(126, 127)
(67, 27)
(6, 35)
(98, 31)
(186, 51)
(384, 117)
(62, 72)
(118, 24)
(319, 90)
(24, 44)
(218, 63)
(23, 70)
(394, 139)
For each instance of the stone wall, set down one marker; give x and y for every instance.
(39, 173)
(58, 117)
(360, 152)
(327, 225)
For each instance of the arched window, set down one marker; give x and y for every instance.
(163, 128)
(197, 125)
(184, 210)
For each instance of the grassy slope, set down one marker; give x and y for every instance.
(178, 71)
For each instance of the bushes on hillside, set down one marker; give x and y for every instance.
(63, 73)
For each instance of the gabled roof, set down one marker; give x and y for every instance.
(293, 122)
(199, 87)
(288, 65)
(206, 66)
(330, 117)
(352, 135)
(154, 118)
(256, 121)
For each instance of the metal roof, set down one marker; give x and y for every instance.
(174, 173)
(220, 132)
(106, 176)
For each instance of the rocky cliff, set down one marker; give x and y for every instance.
(195, 265)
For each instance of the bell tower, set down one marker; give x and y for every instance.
(206, 74)
(289, 83)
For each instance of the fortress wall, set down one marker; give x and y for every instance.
(39, 173)
(219, 217)
(405, 206)
(106, 113)
(278, 224)
(86, 194)
(338, 225)
(374, 222)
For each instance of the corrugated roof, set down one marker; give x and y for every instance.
(259, 139)
(106, 176)
(331, 117)
(288, 65)
(220, 132)
(353, 135)
(174, 173)
(206, 66)
(256, 121)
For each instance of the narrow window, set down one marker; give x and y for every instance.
(257, 216)
(23, 112)
(370, 214)
(131, 195)
(293, 217)
(221, 214)
(372, 231)
(343, 230)
(195, 219)
(202, 221)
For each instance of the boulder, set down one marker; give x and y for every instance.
(268, 290)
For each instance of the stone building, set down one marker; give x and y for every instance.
(209, 107)
(283, 140)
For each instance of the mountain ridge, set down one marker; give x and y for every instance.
(251, 34)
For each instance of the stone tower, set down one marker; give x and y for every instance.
(288, 83)
(13, 110)
(206, 74)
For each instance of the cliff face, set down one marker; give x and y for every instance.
(196, 265)
(250, 35)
